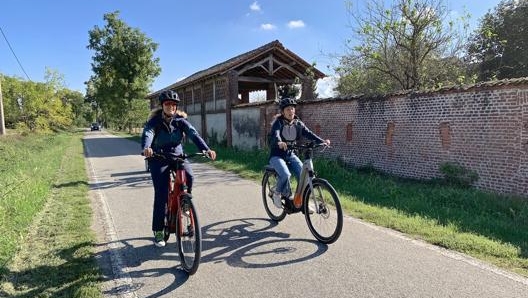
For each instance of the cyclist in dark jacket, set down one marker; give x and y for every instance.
(163, 134)
(287, 129)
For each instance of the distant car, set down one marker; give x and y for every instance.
(95, 126)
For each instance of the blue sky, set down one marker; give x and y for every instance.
(192, 35)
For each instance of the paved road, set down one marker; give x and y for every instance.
(246, 255)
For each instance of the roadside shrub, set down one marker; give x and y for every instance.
(457, 175)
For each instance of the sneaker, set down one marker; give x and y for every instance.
(159, 239)
(277, 200)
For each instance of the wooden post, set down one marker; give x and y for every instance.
(232, 97)
(2, 121)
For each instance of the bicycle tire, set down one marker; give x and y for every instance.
(189, 235)
(269, 182)
(326, 220)
(169, 221)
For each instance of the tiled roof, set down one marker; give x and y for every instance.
(223, 67)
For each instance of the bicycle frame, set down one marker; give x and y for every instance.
(177, 190)
(305, 179)
(181, 216)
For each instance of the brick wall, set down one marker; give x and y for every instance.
(521, 180)
(483, 128)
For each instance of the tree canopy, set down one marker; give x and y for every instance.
(124, 67)
(499, 45)
(41, 107)
(399, 47)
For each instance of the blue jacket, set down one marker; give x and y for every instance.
(282, 131)
(163, 138)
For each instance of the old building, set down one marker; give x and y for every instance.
(209, 95)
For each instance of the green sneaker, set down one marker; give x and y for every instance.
(159, 238)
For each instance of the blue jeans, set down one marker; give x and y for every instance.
(159, 171)
(282, 167)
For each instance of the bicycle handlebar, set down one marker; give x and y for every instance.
(159, 156)
(308, 145)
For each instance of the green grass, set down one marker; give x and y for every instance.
(47, 244)
(487, 226)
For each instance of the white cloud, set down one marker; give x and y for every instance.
(296, 24)
(325, 87)
(267, 26)
(254, 6)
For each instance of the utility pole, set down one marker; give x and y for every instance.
(2, 122)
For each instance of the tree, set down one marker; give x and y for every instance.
(498, 47)
(123, 64)
(80, 109)
(288, 90)
(37, 106)
(399, 47)
(135, 116)
(310, 75)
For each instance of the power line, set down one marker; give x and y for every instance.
(12, 51)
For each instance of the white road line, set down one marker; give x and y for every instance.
(124, 286)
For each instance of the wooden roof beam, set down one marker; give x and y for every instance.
(264, 80)
(253, 65)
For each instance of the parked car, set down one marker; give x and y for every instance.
(95, 126)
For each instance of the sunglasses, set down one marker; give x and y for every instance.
(170, 103)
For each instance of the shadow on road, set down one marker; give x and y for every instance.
(250, 243)
(95, 146)
(245, 242)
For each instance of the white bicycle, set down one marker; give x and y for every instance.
(314, 196)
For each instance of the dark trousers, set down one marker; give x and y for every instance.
(159, 171)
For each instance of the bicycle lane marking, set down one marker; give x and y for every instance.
(123, 284)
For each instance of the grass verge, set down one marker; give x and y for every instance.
(47, 243)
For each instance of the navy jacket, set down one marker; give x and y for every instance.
(163, 138)
(282, 131)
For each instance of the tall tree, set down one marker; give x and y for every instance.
(124, 66)
(499, 45)
(398, 47)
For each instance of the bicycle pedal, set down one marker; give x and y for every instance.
(288, 206)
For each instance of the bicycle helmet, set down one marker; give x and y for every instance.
(168, 95)
(287, 101)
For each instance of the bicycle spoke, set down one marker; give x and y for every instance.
(326, 220)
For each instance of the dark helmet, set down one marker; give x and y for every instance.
(287, 101)
(168, 95)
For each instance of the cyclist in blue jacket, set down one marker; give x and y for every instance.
(287, 129)
(163, 134)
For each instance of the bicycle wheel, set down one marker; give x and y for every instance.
(322, 211)
(188, 235)
(269, 182)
